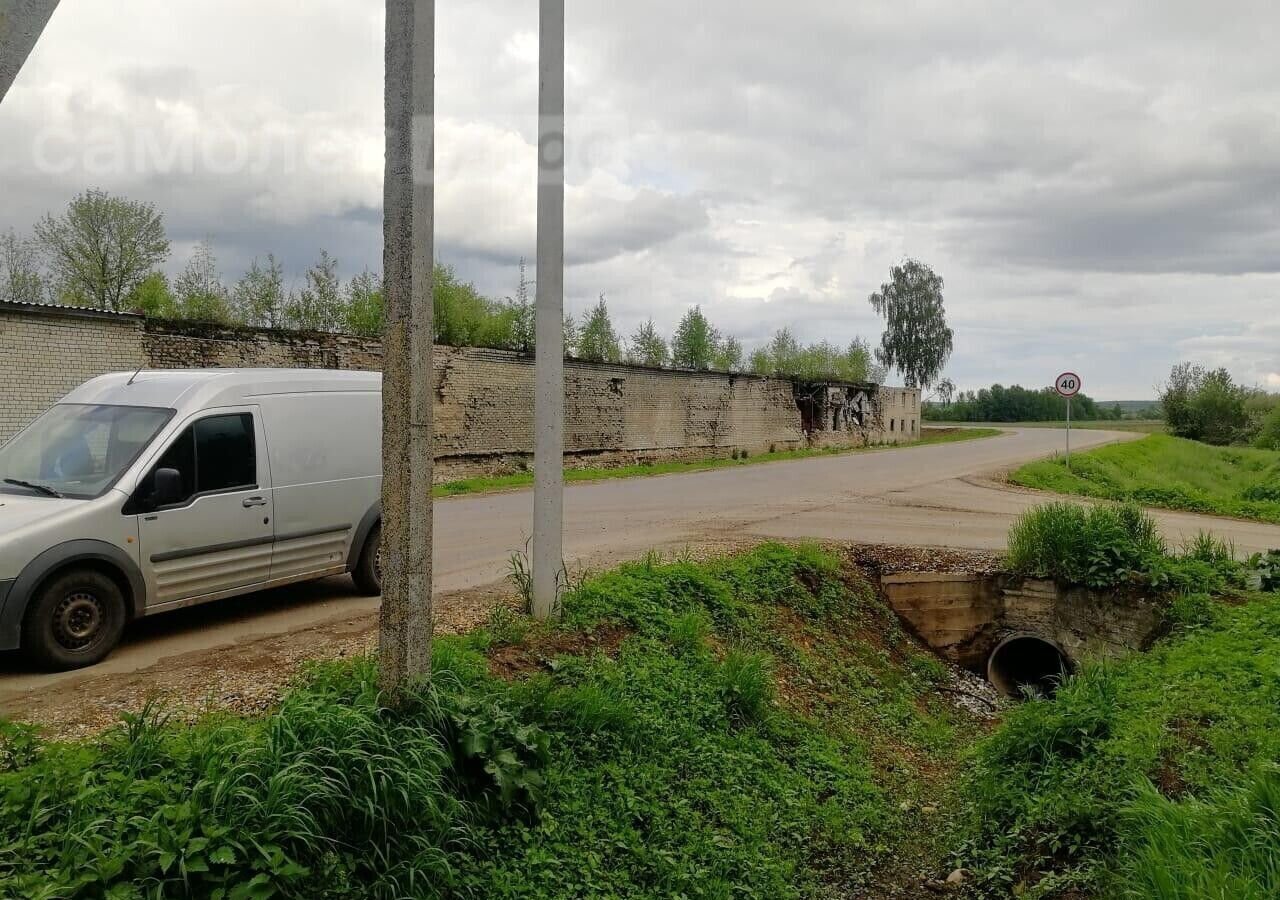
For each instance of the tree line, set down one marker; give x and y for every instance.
(1013, 404)
(106, 252)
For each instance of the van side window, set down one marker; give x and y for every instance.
(212, 455)
(225, 457)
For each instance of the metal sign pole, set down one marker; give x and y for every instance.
(1067, 386)
(1068, 434)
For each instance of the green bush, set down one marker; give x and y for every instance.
(1171, 498)
(1205, 405)
(1267, 492)
(1268, 428)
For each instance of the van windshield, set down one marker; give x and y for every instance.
(78, 450)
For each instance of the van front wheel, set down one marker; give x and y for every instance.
(368, 571)
(75, 620)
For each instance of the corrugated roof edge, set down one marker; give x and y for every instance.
(58, 309)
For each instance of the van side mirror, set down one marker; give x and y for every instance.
(168, 487)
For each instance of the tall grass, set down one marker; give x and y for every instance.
(1225, 845)
(1113, 546)
(1098, 546)
(332, 793)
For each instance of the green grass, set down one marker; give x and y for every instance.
(519, 480)
(1171, 473)
(1151, 777)
(746, 727)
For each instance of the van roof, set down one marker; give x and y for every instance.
(201, 388)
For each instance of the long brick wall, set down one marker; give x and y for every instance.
(47, 351)
(614, 415)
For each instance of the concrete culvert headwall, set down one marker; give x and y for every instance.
(1027, 662)
(1012, 629)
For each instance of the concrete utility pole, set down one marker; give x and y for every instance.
(21, 23)
(404, 642)
(548, 416)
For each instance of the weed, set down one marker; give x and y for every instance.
(1117, 546)
(1189, 611)
(1266, 568)
(1224, 845)
(1267, 492)
(506, 626)
(520, 573)
(689, 632)
(1209, 549)
(746, 685)
(19, 746)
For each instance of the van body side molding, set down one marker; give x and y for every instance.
(212, 548)
(253, 542)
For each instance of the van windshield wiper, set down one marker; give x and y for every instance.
(38, 488)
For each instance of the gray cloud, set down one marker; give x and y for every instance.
(1097, 182)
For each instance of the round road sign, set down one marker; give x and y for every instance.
(1068, 384)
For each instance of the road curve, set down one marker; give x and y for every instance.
(930, 495)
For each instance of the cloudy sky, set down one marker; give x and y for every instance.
(1098, 182)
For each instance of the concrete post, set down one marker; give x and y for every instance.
(404, 642)
(21, 23)
(548, 439)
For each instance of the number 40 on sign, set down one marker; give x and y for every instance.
(1068, 385)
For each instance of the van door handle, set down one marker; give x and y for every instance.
(251, 502)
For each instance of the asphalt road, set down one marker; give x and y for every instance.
(931, 495)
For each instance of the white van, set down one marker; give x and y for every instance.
(145, 492)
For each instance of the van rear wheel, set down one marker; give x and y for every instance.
(75, 620)
(368, 571)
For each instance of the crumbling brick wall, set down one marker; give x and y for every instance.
(614, 414)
